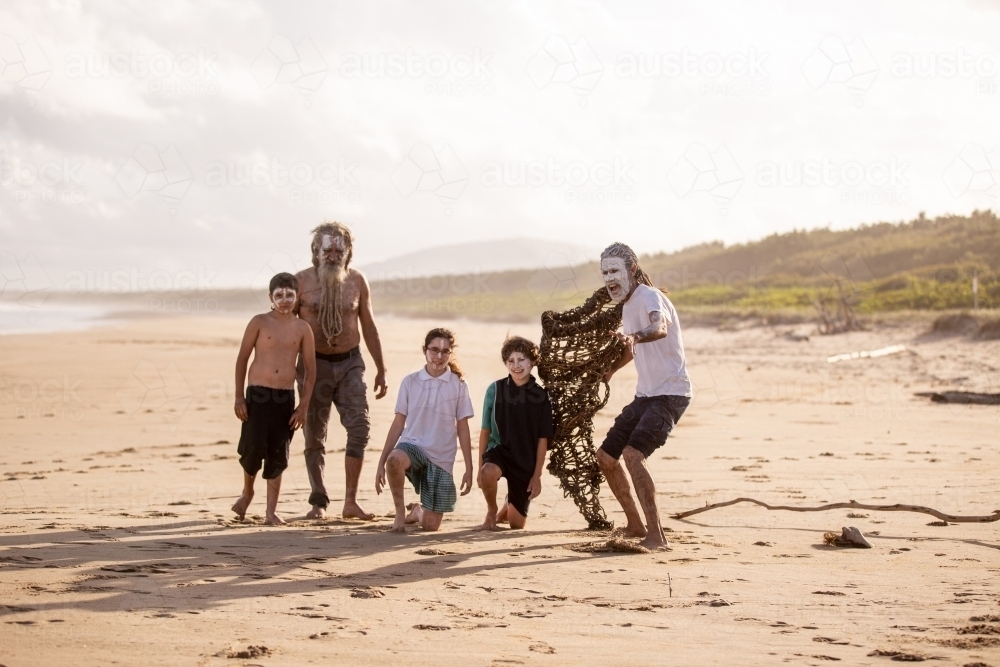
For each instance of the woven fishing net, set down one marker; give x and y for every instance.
(576, 353)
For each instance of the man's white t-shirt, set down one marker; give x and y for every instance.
(659, 363)
(432, 406)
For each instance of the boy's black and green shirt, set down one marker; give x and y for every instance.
(516, 418)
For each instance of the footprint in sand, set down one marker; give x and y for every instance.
(366, 593)
(249, 652)
(541, 647)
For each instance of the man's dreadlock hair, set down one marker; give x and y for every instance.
(622, 251)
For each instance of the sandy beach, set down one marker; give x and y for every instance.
(117, 545)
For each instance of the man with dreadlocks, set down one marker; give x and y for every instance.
(336, 302)
(652, 337)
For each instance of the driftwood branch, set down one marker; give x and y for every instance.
(849, 505)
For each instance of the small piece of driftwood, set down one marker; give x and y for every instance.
(848, 505)
(849, 537)
(963, 397)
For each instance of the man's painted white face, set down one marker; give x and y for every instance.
(616, 277)
(332, 248)
(283, 299)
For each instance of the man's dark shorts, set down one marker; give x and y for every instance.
(266, 433)
(644, 424)
(517, 481)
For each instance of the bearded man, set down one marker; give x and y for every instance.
(652, 337)
(335, 300)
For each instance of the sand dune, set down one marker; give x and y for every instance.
(117, 546)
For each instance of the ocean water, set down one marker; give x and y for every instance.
(17, 317)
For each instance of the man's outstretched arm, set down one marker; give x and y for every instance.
(372, 340)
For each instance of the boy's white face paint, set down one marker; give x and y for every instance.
(519, 366)
(616, 277)
(283, 299)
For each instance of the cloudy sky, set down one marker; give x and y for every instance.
(160, 141)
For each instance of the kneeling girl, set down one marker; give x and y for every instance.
(432, 412)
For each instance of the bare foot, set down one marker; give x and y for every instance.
(241, 505)
(274, 520)
(634, 531)
(502, 514)
(352, 510)
(316, 512)
(490, 523)
(654, 543)
(416, 513)
(398, 525)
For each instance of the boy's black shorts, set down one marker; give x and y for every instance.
(644, 424)
(517, 481)
(266, 433)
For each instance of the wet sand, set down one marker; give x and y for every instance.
(117, 545)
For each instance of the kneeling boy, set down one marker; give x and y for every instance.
(516, 430)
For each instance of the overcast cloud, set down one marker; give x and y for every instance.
(206, 138)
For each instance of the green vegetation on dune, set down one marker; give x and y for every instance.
(925, 264)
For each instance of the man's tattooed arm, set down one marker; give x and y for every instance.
(656, 330)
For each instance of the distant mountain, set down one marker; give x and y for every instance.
(923, 264)
(483, 257)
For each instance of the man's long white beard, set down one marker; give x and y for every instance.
(331, 319)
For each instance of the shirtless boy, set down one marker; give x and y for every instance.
(335, 302)
(268, 409)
